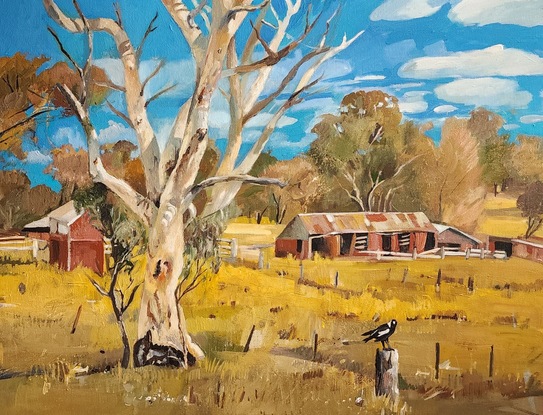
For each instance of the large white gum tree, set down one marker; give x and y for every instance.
(228, 45)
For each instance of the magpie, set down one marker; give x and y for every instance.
(381, 333)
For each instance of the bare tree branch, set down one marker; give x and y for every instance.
(110, 85)
(159, 94)
(151, 76)
(195, 12)
(150, 29)
(180, 13)
(119, 15)
(119, 114)
(130, 298)
(23, 122)
(139, 204)
(135, 103)
(242, 178)
(238, 9)
(98, 287)
(65, 52)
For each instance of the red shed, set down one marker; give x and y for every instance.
(528, 248)
(73, 241)
(355, 234)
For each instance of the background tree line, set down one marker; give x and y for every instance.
(366, 158)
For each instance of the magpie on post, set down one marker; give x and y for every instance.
(381, 333)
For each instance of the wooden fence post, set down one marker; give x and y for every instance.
(471, 283)
(405, 274)
(442, 252)
(234, 248)
(248, 342)
(415, 252)
(438, 352)
(386, 373)
(336, 279)
(35, 249)
(260, 259)
(468, 253)
(491, 363)
(301, 271)
(315, 344)
(438, 282)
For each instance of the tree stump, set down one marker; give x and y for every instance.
(386, 373)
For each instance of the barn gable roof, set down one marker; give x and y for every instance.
(66, 214)
(308, 224)
(442, 228)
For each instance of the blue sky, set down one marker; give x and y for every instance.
(441, 58)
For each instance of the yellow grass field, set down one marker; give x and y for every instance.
(280, 374)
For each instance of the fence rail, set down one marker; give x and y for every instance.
(19, 243)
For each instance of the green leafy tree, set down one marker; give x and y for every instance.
(531, 205)
(494, 149)
(366, 149)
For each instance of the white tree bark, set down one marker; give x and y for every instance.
(170, 177)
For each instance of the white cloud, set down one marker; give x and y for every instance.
(406, 85)
(445, 109)
(370, 78)
(510, 127)
(482, 12)
(321, 105)
(491, 92)
(115, 132)
(67, 135)
(37, 157)
(531, 119)
(413, 102)
(467, 12)
(262, 119)
(493, 61)
(406, 9)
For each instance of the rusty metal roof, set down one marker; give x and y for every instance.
(330, 223)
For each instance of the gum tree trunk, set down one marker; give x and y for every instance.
(163, 338)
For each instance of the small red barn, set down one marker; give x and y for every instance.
(356, 234)
(528, 248)
(73, 241)
(451, 237)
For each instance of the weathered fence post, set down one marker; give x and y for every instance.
(491, 363)
(405, 274)
(471, 283)
(468, 253)
(248, 342)
(386, 373)
(438, 282)
(415, 252)
(301, 271)
(234, 248)
(442, 252)
(438, 352)
(483, 252)
(315, 344)
(35, 249)
(336, 279)
(260, 259)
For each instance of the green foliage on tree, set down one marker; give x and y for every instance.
(366, 149)
(531, 205)
(127, 239)
(495, 150)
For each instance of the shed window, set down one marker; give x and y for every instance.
(361, 242)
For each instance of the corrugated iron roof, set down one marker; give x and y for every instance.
(329, 223)
(442, 228)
